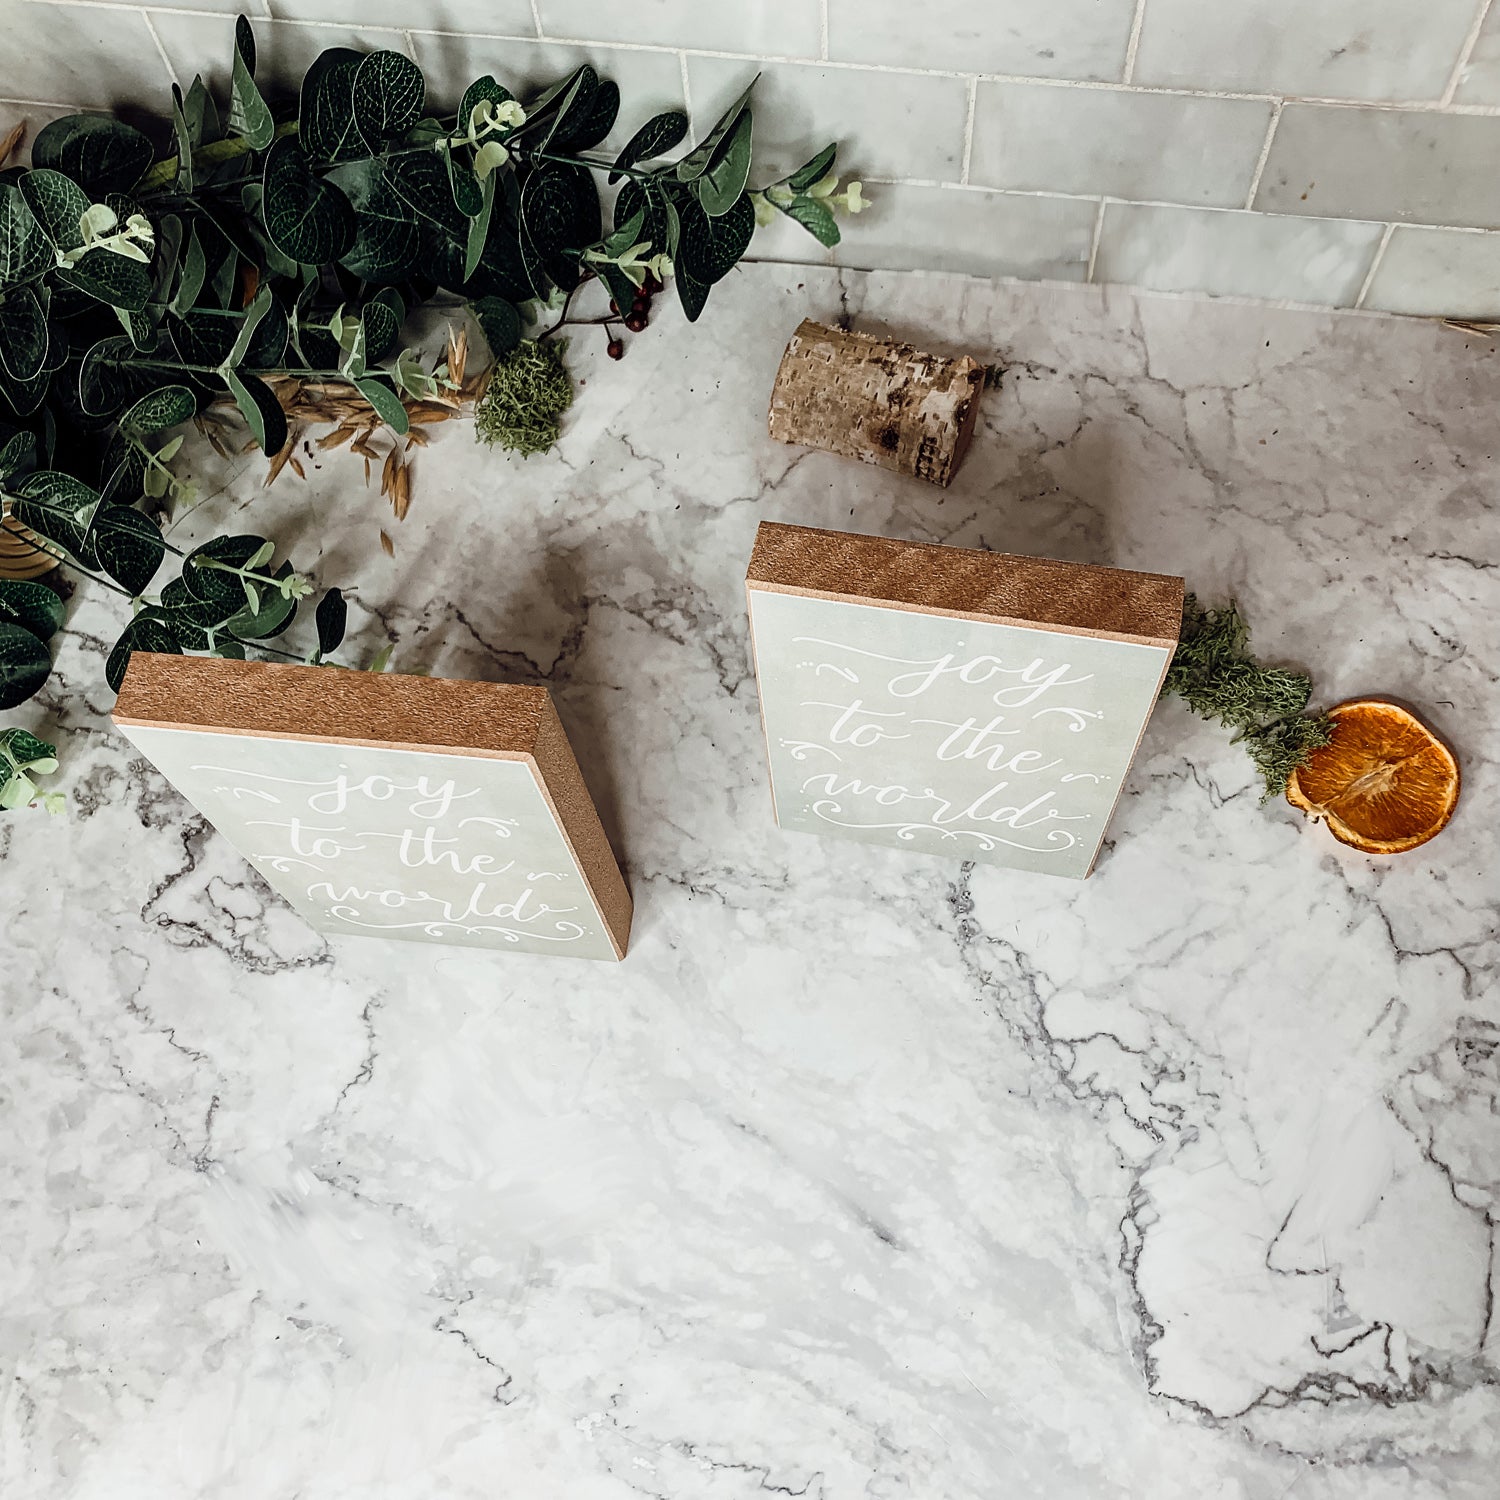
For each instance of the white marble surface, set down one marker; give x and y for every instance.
(867, 1174)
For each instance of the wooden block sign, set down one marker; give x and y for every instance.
(952, 701)
(388, 806)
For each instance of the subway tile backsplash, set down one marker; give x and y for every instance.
(1330, 151)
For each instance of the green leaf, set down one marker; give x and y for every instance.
(193, 620)
(144, 633)
(386, 402)
(27, 752)
(24, 665)
(813, 171)
(720, 186)
(559, 211)
(387, 239)
(332, 620)
(165, 407)
(259, 307)
(659, 134)
(32, 606)
(326, 126)
(22, 397)
(697, 161)
(306, 217)
(104, 382)
(259, 407)
(815, 217)
(58, 204)
(478, 92)
(566, 96)
(590, 119)
(382, 317)
(100, 153)
(500, 323)
(388, 95)
(691, 292)
(248, 115)
(24, 249)
(58, 507)
(479, 230)
(468, 195)
(272, 614)
(190, 277)
(709, 248)
(128, 546)
(352, 353)
(111, 278)
(17, 455)
(23, 332)
(201, 113)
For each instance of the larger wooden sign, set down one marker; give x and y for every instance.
(952, 701)
(389, 806)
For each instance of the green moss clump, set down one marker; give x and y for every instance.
(529, 389)
(1214, 673)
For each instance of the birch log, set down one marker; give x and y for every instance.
(877, 400)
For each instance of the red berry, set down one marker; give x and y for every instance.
(614, 307)
(616, 349)
(635, 322)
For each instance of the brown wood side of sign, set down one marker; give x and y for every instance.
(953, 701)
(383, 805)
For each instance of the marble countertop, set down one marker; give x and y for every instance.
(867, 1174)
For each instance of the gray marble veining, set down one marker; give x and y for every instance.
(867, 1173)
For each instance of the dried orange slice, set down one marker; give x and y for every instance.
(1384, 783)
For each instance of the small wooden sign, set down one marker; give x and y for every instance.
(953, 701)
(390, 806)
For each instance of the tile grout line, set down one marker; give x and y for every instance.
(823, 31)
(1465, 53)
(1265, 154)
(1134, 44)
(1393, 106)
(1094, 241)
(536, 20)
(687, 96)
(1379, 256)
(973, 91)
(166, 61)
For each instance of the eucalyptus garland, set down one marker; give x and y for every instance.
(142, 281)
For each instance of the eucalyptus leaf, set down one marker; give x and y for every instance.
(306, 217)
(248, 115)
(25, 665)
(23, 332)
(260, 305)
(100, 153)
(386, 402)
(183, 135)
(658, 135)
(388, 95)
(32, 606)
(479, 230)
(201, 113)
(214, 585)
(144, 633)
(259, 407)
(272, 614)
